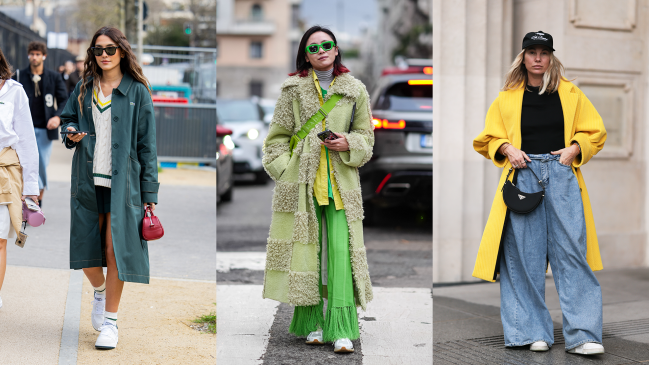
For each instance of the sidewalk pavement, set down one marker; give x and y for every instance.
(45, 317)
(468, 330)
(395, 329)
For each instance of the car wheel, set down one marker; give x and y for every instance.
(227, 196)
(261, 177)
(370, 213)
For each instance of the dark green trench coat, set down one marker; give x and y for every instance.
(134, 179)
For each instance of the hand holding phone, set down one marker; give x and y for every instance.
(327, 135)
(73, 135)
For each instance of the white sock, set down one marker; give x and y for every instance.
(100, 291)
(111, 317)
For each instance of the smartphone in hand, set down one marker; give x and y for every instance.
(73, 132)
(327, 135)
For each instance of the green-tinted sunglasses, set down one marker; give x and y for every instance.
(315, 48)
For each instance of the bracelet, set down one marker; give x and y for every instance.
(578, 146)
(504, 147)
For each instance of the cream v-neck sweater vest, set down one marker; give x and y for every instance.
(102, 161)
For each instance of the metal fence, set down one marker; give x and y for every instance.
(14, 38)
(186, 133)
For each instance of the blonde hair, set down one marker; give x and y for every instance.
(517, 74)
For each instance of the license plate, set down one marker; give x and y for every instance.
(426, 141)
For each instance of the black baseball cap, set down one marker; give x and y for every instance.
(540, 37)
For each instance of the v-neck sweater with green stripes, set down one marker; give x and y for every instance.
(102, 166)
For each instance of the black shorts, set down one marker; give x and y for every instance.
(103, 199)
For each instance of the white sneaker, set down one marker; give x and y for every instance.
(343, 345)
(589, 348)
(539, 346)
(315, 338)
(98, 310)
(107, 339)
(0, 302)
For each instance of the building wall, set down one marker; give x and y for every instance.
(235, 68)
(603, 45)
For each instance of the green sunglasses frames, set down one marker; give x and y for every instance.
(315, 48)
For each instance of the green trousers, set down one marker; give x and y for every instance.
(341, 319)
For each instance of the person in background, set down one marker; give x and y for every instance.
(47, 97)
(71, 76)
(79, 63)
(61, 69)
(18, 158)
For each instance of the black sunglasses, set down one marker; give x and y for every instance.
(98, 51)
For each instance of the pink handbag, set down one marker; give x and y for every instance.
(151, 227)
(32, 213)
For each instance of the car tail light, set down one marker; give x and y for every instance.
(386, 124)
(420, 82)
(428, 70)
(382, 184)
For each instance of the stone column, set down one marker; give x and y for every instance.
(472, 40)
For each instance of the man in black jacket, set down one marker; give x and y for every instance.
(47, 97)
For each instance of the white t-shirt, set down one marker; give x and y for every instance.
(17, 132)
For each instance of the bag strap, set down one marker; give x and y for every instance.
(322, 113)
(351, 121)
(537, 178)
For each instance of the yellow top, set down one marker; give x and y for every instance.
(325, 182)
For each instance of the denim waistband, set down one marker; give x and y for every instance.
(543, 156)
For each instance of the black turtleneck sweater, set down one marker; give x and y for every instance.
(541, 122)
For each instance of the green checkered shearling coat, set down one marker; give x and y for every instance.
(292, 264)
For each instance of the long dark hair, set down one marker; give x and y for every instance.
(5, 68)
(128, 64)
(302, 66)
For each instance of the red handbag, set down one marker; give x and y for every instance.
(151, 227)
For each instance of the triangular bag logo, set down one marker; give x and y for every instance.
(521, 197)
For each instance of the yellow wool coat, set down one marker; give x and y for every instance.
(582, 124)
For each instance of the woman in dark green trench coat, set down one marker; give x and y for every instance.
(105, 222)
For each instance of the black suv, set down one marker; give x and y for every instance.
(400, 172)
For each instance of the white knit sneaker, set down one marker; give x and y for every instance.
(589, 348)
(315, 338)
(98, 310)
(343, 345)
(107, 339)
(539, 346)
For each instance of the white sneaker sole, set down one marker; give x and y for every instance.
(315, 341)
(539, 348)
(343, 350)
(586, 352)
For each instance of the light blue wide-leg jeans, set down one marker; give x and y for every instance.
(555, 230)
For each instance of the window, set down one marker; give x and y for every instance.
(256, 49)
(256, 88)
(295, 16)
(256, 13)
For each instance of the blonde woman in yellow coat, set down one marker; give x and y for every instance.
(544, 123)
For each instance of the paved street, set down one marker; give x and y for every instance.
(396, 329)
(468, 329)
(44, 319)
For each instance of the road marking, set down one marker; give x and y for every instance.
(244, 319)
(397, 327)
(70, 332)
(226, 261)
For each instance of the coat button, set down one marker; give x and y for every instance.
(115, 145)
(115, 119)
(115, 172)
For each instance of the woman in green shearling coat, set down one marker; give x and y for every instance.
(318, 183)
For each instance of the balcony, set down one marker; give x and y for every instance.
(245, 27)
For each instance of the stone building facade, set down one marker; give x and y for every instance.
(255, 41)
(604, 46)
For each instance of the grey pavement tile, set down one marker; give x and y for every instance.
(457, 304)
(626, 311)
(468, 328)
(628, 349)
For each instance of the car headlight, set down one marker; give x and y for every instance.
(253, 134)
(227, 142)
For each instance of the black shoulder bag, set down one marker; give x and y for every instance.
(518, 201)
